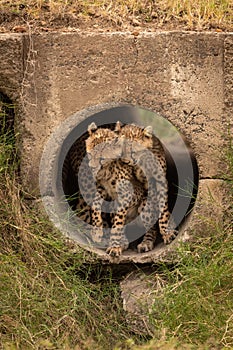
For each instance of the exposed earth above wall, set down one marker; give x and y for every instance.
(131, 15)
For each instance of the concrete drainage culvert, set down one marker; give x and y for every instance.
(61, 187)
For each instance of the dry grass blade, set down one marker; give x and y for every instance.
(116, 15)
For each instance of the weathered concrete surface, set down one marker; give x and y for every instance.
(12, 65)
(228, 82)
(186, 77)
(211, 206)
(181, 75)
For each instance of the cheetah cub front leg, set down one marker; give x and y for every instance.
(97, 221)
(149, 213)
(118, 241)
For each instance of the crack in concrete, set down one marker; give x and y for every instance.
(132, 67)
(135, 44)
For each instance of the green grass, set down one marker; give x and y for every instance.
(54, 298)
(197, 304)
(187, 14)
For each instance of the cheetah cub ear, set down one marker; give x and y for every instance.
(148, 131)
(118, 127)
(91, 128)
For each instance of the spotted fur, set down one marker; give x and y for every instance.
(115, 180)
(144, 150)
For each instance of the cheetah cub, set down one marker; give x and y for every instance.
(144, 150)
(115, 182)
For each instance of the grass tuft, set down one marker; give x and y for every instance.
(197, 303)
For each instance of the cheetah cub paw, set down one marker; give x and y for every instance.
(170, 236)
(114, 251)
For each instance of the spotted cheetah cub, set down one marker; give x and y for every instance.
(115, 182)
(144, 150)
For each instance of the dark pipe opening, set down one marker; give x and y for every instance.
(182, 168)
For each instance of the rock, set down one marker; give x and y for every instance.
(138, 291)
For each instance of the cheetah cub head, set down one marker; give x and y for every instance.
(137, 139)
(103, 146)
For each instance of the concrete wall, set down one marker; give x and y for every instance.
(186, 77)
